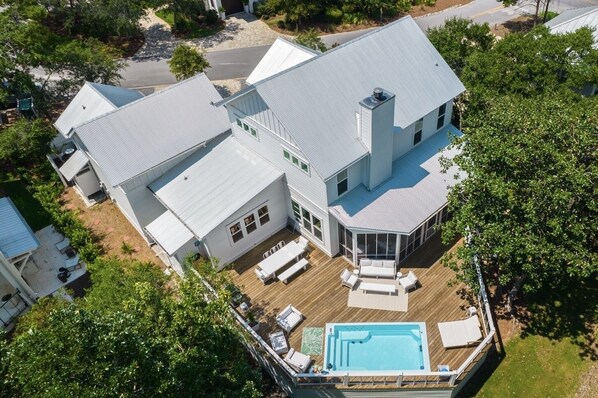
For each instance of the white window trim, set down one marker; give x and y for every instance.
(241, 221)
(246, 127)
(339, 181)
(300, 159)
(312, 215)
(415, 130)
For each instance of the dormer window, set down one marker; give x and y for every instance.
(441, 113)
(419, 127)
(342, 182)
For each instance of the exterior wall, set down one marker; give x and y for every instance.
(356, 174)
(219, 242)
(403, 139)
(321, 212)
(88, 182)
(145, 208)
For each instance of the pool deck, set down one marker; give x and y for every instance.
(319, 295)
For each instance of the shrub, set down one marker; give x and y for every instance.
(212, 17)
(126, 248)
(311, 39)
(430, 2)
(334, 15)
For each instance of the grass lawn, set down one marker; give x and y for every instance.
(30, 208)
(195, 31)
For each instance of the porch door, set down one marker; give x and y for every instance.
(345, 242)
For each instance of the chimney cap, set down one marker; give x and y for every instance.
(378, 94)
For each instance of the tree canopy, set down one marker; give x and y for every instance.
(311, 40)
(25, 142)
(130, 336)
(187, 62)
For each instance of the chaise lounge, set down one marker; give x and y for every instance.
(377, 268)
(460, 333)
(409, 281)
(297, 360)
(289, 318)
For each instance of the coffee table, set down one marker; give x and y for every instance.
(377, 287)
(278, 342)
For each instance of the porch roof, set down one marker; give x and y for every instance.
(169, 232)
(416, 190)
(16, 237)
(73, 165)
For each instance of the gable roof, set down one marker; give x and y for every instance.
(571, 20)
(317, 100)
(281, 56)
(93, 100)
(213, 183)
(141, 135)
(417, 183)
(16, 237)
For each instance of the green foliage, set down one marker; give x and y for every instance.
(458, 38)
(530, 194)
(126, 248)
(186, 62)
(26, 142)
(33, 212)
(311, 39)
(129, 337)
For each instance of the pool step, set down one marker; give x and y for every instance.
(363, 335)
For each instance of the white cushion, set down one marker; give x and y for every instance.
(346, 275)
(388, 264)
(376, 263)
(364, 262)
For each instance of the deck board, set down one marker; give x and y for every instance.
(319, 295)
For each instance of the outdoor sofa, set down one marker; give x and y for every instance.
(377, 268)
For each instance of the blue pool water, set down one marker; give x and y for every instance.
(376, 346)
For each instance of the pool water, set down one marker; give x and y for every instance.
(376, 347)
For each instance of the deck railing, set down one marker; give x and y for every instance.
(287, 377)
(12, 306)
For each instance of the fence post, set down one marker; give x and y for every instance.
(453, 379)
(346, 380)
(400, 380)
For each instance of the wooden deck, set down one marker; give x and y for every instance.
(318, 294)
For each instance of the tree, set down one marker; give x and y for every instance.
(187, 62)
(529, 198)
(26, 142)
(458, 38)
(311, 40)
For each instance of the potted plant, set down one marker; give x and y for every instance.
(253, 323)
(245, 5)
(222, 13)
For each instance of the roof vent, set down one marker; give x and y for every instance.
(378, 94)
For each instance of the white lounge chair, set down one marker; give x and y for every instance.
(289, 318)
(460, 333)
(348, 279)
(408, 281)
(297, 360)
(71, 263)
(63, 244)
(262, 276)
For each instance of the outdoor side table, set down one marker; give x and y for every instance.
(278, 342)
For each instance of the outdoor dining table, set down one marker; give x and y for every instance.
(276, 261)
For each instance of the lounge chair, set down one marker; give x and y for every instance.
(297, 360)
(289, 318)
(408, 281)
(262, 276)
(460, 333)
(63, 244)
(71, 263)
(348, 279)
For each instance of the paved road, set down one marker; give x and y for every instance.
(238, 63)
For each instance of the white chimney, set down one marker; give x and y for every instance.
(377, 128)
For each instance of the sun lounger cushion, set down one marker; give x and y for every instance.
(460, 333)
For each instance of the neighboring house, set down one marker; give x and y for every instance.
(571, 20)
(361, 167)
(314, 145)
(229, 7)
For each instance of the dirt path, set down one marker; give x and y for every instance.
(106, 221)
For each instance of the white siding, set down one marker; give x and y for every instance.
(403, 139)
(146, 208)
(219, 241)
(356, 174)
(320, 212)
(254, 107)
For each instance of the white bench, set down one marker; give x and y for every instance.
(377, 287)
(301, 264)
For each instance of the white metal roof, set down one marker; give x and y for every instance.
(571, 20)
(416, 191)
(93, 100)
(73, 165)
(317, 100)
(16, 237)
(281, 56)
(142, 135)
(210, 185)
(169, 231)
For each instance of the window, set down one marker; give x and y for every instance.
(249, 129)
(236, 232)
(239, 123)
(310, 222)
(263, 215)
(342, 183)
(253, 132)
(249, 222)
(419, 126)
(295, 160)
(379, 246)
(441, 113)
(410, 242)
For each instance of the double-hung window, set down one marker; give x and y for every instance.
(441, 113)
(342, 182)
(249, 223)
(419, 127)
(236, 232)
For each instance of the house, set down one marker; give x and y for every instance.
(360, 163)
(571, 20)
(312, 143)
